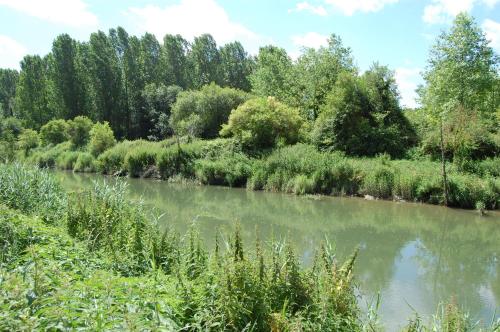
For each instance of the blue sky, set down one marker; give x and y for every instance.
(397, 33)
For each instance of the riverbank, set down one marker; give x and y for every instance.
(298, 169)
(94, 261)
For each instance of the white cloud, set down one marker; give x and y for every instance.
(11, 52)
(306, 6)
(349, 7)
(492, 31)
(191, 18)
(408, 79)
(73, 13)
(442, 11)
(310, 39)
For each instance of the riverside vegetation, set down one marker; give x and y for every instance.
(203, 113)
(91, 260)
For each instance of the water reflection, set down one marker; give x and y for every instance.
(414, 255)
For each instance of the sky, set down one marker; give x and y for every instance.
(396, 33)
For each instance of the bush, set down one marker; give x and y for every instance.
(302, 168)
(28, 140)
(79, 131)
(379, 182)
(362, 117)
(139, 158)
(85, 163)
(466, 191)
(261, 123)
(202, 113)
(231, 170)
(54, 132)
(101, 138)
(179, 159)
(67, 160)
(112, 160)
(47, 157)
(10, 126)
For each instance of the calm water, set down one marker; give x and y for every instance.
(413, 255)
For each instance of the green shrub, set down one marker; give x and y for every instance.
(230, 170)
(66, 160)
(201, 113)
(179, 159)
(261, 123)
(467, 190)
(54, 132)
(112, 160)
(101, 138)
(138, 159)
(28, 140)
(47, 157)
(85, 163)
(379, 182)
(79, 131)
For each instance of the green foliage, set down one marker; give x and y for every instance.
(303, 169)
(54, 132)
(179, 159)
(28, 140)
(229, 169)
(79, 131)
(32, 191)
(9, 79)
(47, 157)
(362, 116)
(10, 126)
(141, 158)
(101, 138)
(112, 160)
(85, 163)
(159, 101)
(273, 73)
(202, 113)
(316, 72)
(261, 123)
(66, 160)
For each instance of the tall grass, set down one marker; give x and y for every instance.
(32, 191)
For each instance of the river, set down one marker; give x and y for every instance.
(413, 255)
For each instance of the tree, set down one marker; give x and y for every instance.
(68, 94)
(159, 101)
(31, 92)
(8, 82)
(202, 113)
(393, 134)
(149, 58)
(236, 66)
(28, 140)
(79, 131)
(173, 61)
(54, 132)
(101, 138)
(317, 71)
(461, 80)
(205, 60)
(273, 73)
(106, 76)
(128, 50)
(345, 122)
(261, 123)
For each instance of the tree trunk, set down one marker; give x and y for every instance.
(443, 165)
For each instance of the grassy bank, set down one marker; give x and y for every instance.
(94, 261)
(298, 169)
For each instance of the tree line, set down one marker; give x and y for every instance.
(147, 89)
